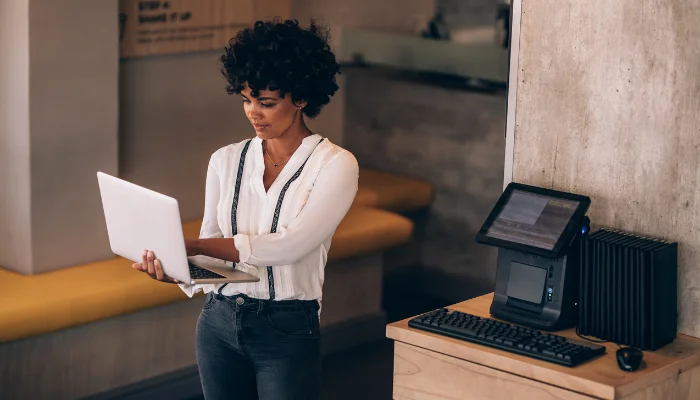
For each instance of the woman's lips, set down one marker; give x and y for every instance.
(260, 127)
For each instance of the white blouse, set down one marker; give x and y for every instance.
(312, 207)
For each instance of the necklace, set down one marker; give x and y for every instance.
(273, 161)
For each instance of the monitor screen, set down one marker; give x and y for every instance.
(532, 219)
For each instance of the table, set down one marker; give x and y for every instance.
(429, 366)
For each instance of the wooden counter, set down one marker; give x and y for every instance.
(431, 366)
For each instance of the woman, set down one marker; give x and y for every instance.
(272, 205)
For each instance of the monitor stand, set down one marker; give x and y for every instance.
(536, 291)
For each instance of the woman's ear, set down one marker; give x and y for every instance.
(300, 104)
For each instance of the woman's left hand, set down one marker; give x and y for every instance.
(221, 248)
(192, 247)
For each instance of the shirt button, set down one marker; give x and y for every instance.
(239, 300)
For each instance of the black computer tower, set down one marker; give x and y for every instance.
(628, 289)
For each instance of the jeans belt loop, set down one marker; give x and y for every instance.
(220, 295)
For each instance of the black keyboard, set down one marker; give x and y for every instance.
(197, 272)
(504, 336)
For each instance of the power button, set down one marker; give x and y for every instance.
(550, 293)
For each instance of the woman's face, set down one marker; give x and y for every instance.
(270, 115)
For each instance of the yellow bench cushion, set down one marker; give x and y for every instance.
(36, 304)
(367, 230)
(392, 192)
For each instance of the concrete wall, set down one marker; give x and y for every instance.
(406, 16)
(73, 100)
(452, 138)
(15, 195)
(58, 86)
(607, 105)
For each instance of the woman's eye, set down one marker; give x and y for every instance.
(264, 105)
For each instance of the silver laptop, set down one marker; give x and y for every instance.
(140, 219)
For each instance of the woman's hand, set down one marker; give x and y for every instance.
(193, 247)
(220, 248)
(151, 265)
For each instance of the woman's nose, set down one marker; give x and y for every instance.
(253, 113)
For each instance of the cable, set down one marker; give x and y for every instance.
(594, 340)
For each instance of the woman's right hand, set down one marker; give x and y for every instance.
(151, 266)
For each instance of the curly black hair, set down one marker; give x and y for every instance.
(281, 55)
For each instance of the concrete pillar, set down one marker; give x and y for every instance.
(58, 127)
(15, 222)
(607, 106)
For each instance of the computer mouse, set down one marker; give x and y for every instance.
(629, 358)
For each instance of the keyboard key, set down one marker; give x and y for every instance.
(197, 272)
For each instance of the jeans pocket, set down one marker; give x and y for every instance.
(296, 322)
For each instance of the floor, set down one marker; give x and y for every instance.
(366, 372)
(363, 373)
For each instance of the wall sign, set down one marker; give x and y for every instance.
(177, 26)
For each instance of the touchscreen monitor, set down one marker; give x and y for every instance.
(534, 218)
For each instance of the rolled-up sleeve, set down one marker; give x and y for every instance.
(329, 201)
(210, 224)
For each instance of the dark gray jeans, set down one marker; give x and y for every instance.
(258, 349)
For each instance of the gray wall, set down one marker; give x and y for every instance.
(608, 100)
(58, 87)
(452, 138)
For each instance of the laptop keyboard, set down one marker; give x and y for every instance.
(201, 273)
